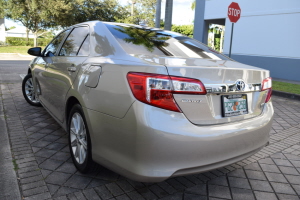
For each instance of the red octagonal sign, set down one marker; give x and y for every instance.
(234, 12)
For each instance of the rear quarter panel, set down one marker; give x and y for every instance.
(112, 96)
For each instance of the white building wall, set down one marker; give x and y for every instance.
(265, 35)
(11, 34)
(266, 29)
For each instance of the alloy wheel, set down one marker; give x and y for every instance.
(29, 91)
(78, 138)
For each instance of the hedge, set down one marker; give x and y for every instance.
(184, 29)
(19, 41)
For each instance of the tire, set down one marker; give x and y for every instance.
(29, 92)
(80, 141)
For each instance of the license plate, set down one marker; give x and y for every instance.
(233, 105)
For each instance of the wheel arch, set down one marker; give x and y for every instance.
(70, 103)
(72, 100)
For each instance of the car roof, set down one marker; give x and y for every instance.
(115, 23)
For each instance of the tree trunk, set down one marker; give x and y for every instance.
(35, 39)
(132, 7)
(27, 36)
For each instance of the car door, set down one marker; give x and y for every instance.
(64, 68)
(41, 77)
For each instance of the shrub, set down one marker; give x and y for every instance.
(184, 29)
(19, 41)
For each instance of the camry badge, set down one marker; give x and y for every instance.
(191, 100)
(240, 85)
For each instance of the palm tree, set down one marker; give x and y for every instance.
(193, 6)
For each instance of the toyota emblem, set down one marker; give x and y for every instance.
(240, 85)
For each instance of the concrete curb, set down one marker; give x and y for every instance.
(21, 55)
(9, 187)
(286, 95)
(15, 56)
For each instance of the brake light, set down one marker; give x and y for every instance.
(267, 85)
(157, 90)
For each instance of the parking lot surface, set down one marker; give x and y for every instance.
(44, 168)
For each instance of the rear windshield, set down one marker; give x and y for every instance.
(142, 40)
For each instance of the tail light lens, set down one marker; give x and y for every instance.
(187, 86)
(267, 85)
(157, 90)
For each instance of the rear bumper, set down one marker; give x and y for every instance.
(151, 144)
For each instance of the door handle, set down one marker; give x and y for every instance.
(71, 69)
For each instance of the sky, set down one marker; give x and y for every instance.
(182, 12)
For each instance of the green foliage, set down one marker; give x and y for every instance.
(39, 15)
(183, 29)
(35, 15)
(9, 28)
(2, 4)
(144, 11)
(16, 166)
(217, 43)
(286, 87)
(162, 24)
(103, 10)
(15, 49)
(32, 14)
(61, 13)
(217, 38)
(147, 38)
(19, 41)
(193, 6)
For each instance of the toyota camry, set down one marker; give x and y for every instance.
(148, 103)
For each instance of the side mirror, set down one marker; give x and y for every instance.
(35, 51)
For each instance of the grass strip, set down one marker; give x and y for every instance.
(15, 49)
(286, 87)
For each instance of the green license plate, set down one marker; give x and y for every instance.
(234, 105)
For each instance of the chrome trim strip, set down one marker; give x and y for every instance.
(229, 88)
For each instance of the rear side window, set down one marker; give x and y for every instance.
(52, 48)
(85, 47)
(74, 41)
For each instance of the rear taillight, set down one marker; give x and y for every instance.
(157, 90)
(187, 86)
(267, 85)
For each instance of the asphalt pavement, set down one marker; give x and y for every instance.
(10, 70)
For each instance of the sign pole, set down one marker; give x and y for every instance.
(231, 40)
(234, 14)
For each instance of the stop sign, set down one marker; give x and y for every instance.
(234, 12)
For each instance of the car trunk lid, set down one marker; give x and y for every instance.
(233, 91)
(227, 83)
